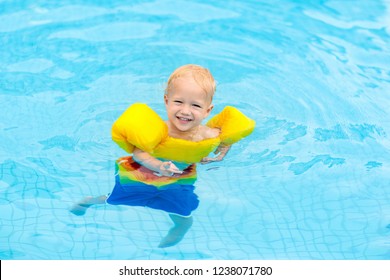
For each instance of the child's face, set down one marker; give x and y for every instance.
(187, 104)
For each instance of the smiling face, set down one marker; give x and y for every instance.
(187, 106)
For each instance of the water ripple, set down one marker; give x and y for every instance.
(110, 32)
(302, 167)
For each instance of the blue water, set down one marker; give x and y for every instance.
(311, 182)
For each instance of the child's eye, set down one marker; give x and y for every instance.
(177, 101)
(196, 105)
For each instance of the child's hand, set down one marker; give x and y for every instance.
(168, 169)
(221, 152)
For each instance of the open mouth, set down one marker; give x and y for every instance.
(184, 119)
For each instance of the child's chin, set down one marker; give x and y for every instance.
(184, 126)
(183, 129)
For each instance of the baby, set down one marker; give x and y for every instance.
(162, 170)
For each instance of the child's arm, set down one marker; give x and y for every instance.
(222, 150)
(164, 168)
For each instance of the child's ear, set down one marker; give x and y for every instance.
(209, 109)
(166, 99)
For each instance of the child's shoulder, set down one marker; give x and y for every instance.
(208, 132)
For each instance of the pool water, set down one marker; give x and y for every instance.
(311, 182)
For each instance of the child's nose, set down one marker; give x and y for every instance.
(186, 110)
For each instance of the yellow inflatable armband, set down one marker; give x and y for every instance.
(139, 126)
(185, 151)
(233, 124)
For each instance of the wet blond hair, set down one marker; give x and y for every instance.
(201, 75)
